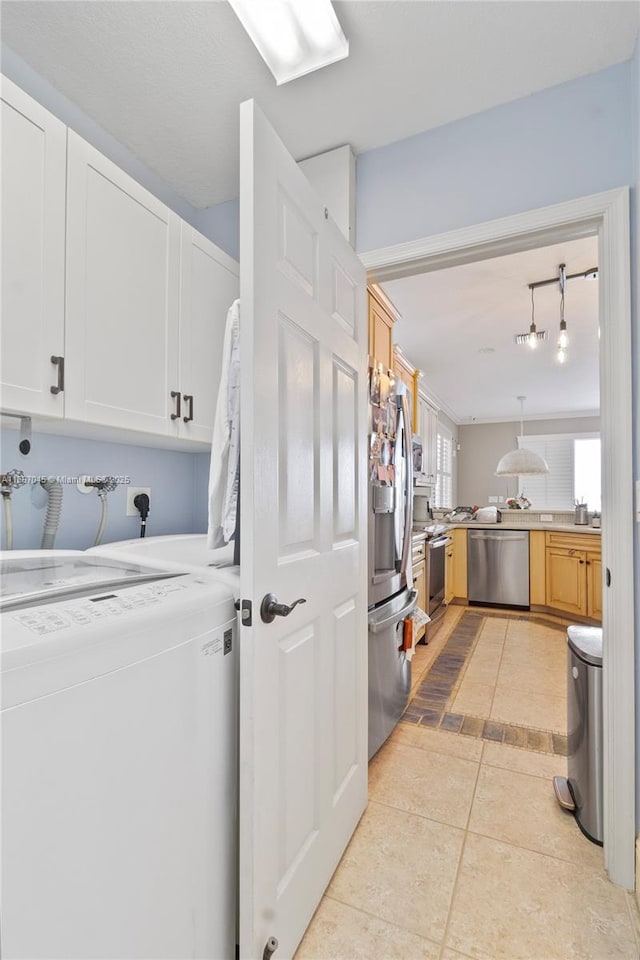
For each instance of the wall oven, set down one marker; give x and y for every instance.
(436, 549)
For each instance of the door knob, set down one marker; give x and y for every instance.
(270, 608)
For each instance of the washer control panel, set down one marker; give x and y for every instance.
(89, 610)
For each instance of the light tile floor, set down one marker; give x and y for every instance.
(463, 852)
(516, 674)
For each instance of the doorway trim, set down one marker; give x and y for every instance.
(607, 215)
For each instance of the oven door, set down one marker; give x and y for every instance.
(436, 549)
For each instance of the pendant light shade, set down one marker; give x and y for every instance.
(521, 462)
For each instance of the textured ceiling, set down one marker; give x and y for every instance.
(166, 78)
(458, 327)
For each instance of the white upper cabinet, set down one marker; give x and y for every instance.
(33, 231)
(113, 308)
(428, 430)
(123, 264)
(208, 286)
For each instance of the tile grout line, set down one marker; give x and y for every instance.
(413, 813)
(375, 916)
(495, 686)
(460, 859)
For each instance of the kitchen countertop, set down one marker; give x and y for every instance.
(549, 527)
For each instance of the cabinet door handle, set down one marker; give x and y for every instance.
(588, 562)
(188, 399)
(59, 363)
(581, 561)
(175, 395)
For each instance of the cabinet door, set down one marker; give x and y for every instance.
(594, 586)
(123, 262)
(567, 580)
(428, 432)
(208, 286)
(33, 211)
(420, 585)
(460, 564)
(380, 334)
(449, 574)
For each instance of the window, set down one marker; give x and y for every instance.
(574, 471)
(444, 468)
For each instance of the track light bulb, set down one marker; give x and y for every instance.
(562, 354)
(563, 340)
(533, 337)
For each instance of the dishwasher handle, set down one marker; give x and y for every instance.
(504, 536)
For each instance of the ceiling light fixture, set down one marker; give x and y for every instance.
(293, 38)
(521, 462)
(533, 332)
(563, 339)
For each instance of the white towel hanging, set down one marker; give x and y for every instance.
(225, 446)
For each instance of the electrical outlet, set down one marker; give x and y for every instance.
(132, 510)
(493, 499)
(546, 518)
(500, 499)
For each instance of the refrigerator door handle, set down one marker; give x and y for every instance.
(377, 626)
(408, 514)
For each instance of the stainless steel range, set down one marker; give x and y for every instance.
(437, 541)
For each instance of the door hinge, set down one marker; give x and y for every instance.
(270, 948)
(246, 614)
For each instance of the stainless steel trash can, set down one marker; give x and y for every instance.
(584, 703)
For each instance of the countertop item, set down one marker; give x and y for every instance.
(488, 515)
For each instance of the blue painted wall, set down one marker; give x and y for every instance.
(178, 499)
(221, 224)
(565, 142)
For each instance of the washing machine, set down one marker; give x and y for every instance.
(184, 551)
(119, 759)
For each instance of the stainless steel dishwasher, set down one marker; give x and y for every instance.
(498, 567)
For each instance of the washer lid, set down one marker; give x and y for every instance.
(48, 576)
(586, 643)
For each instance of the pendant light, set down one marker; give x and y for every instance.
(521, 462)
(533, 331)
(563, 339)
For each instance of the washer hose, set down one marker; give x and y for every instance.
(54, 508)
(8, 521)
(103, 517)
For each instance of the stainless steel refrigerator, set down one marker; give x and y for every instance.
(391, 593)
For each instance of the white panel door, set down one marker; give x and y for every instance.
(208, 286)
(303, 720)
(123, 265)
(34, 148)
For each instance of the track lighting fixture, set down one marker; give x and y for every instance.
(533, 333)
(563, 339)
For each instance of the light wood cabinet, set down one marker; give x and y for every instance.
(382, 316)
(406, 372)
(34, 147)
(573, 574)
(537, 568)
(449, 574)
(459, 538)
(594, 585)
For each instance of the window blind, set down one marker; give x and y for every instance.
(556, 489)
(444, 468)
